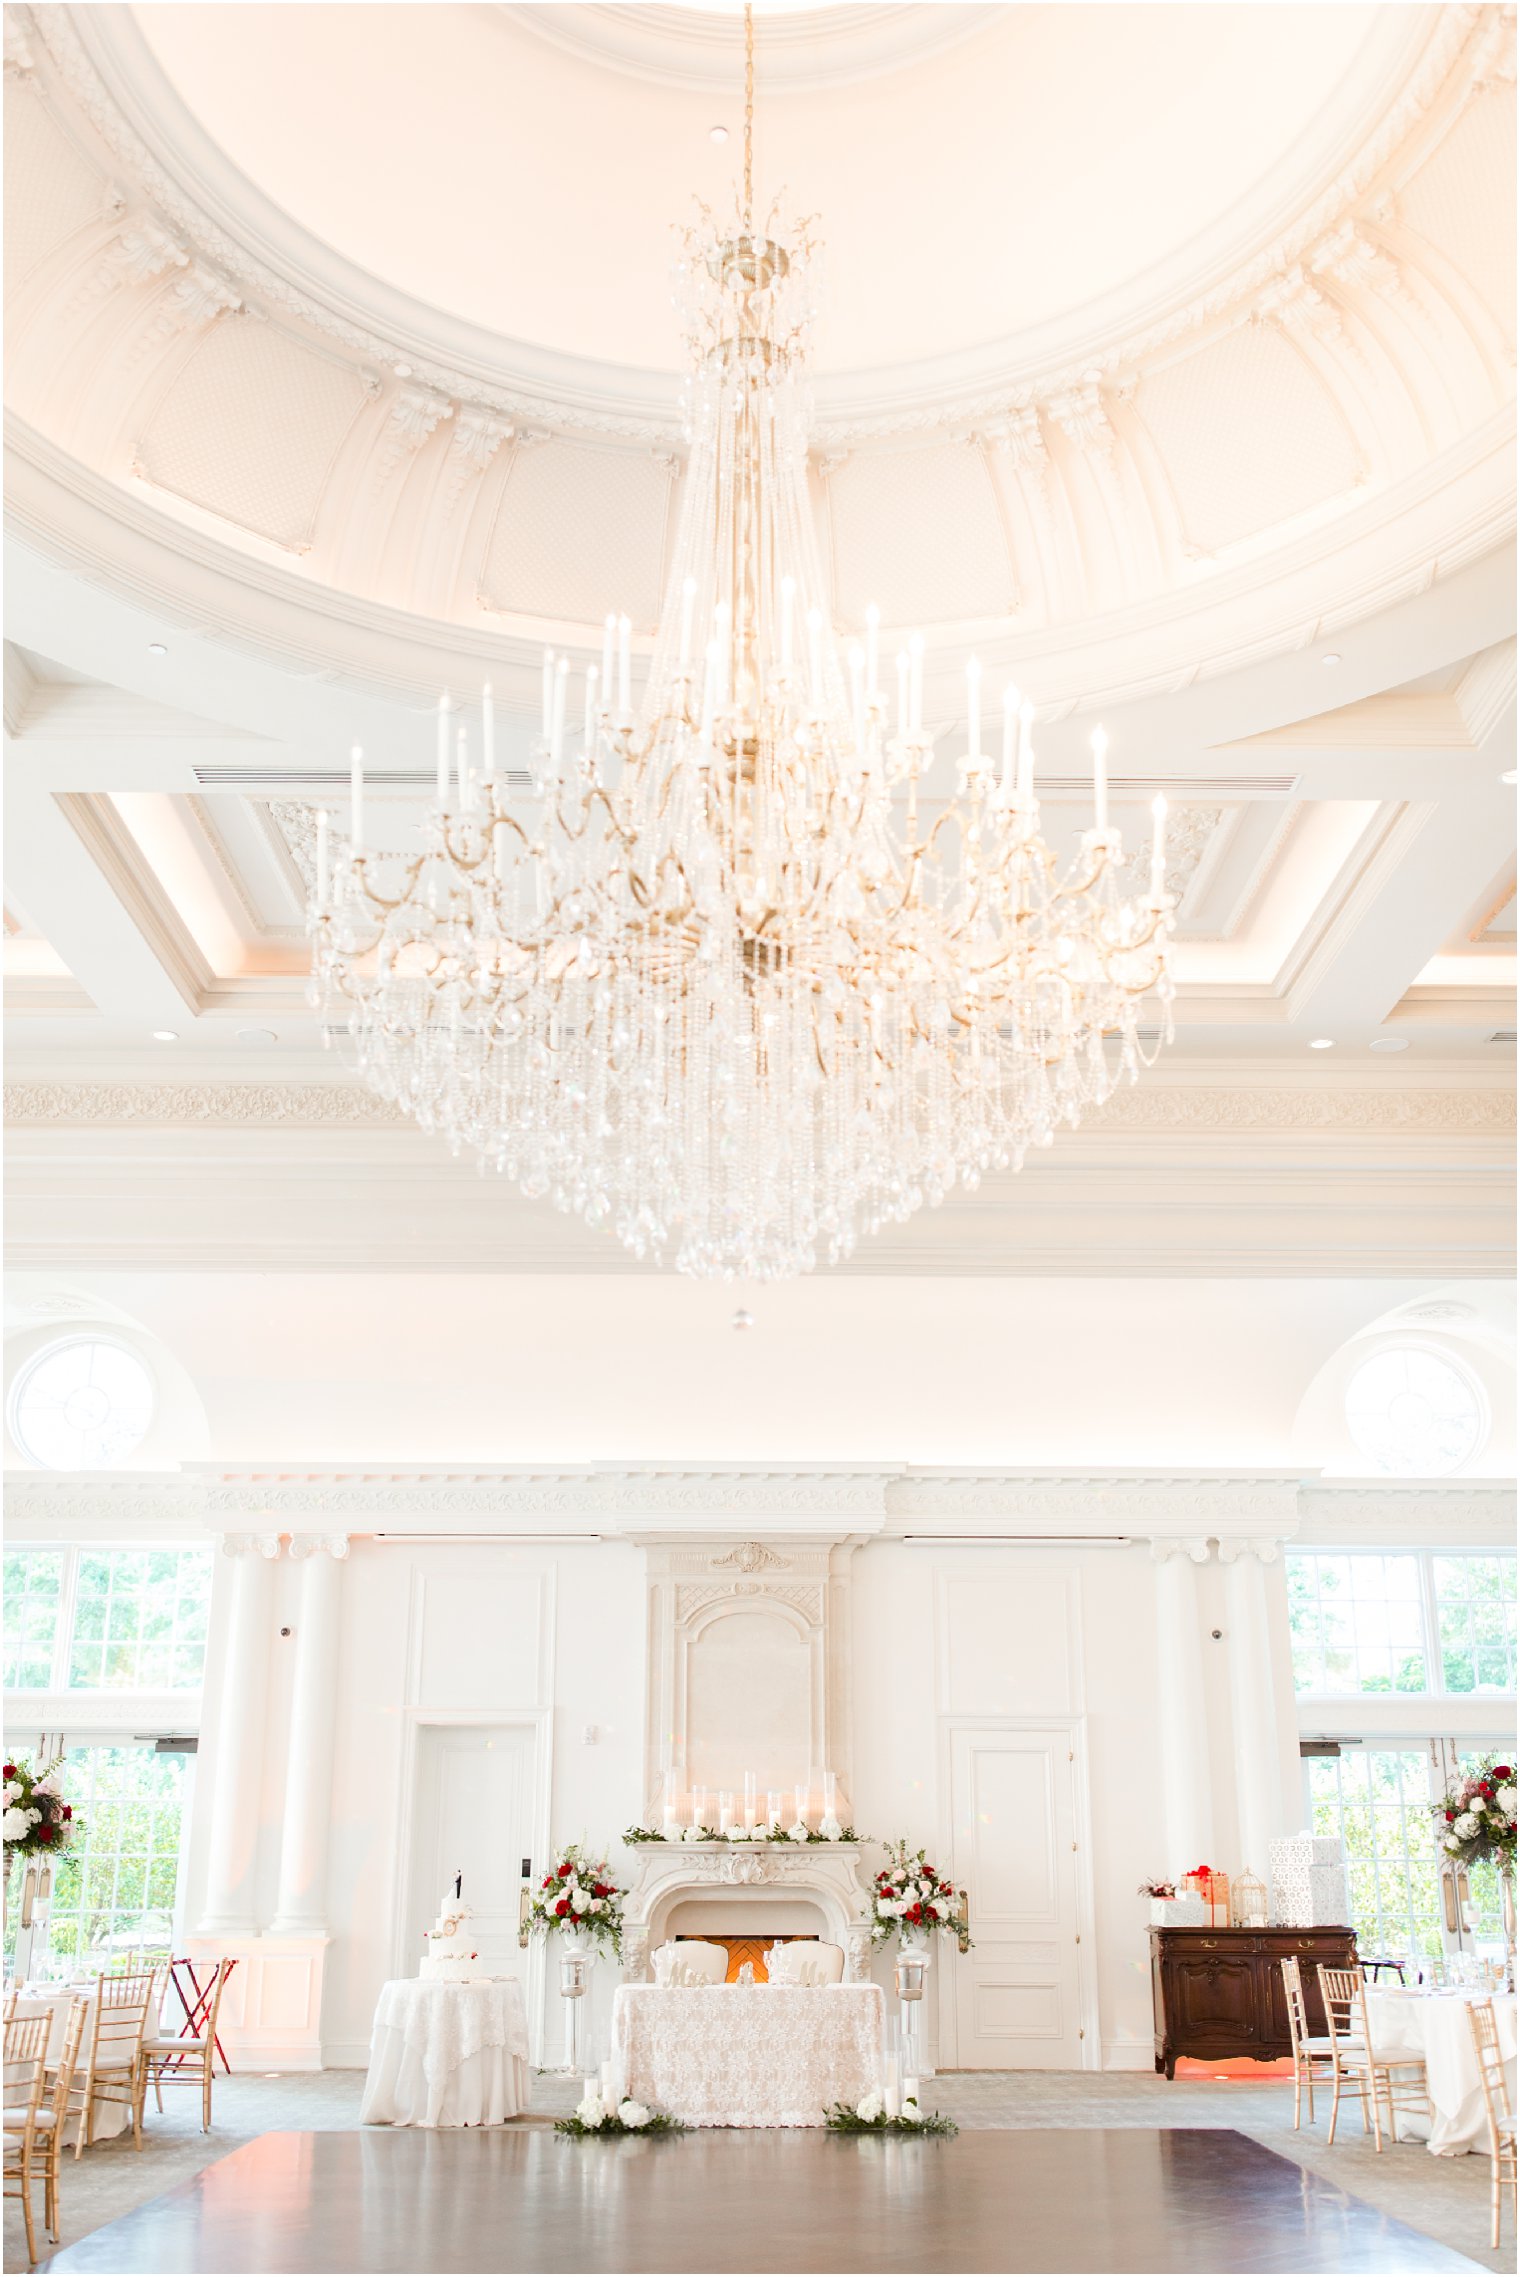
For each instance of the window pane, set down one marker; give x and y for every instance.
(115, 1885)
(140, 1620)
(1475, 1603)
(1377, 1801)
(33, 1587)
(1356, 1623)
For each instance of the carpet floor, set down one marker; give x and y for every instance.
(1445, 2198)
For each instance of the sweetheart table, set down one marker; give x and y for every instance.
(760, 2055)
(447, 2055)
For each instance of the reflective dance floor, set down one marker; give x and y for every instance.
(521, 2198)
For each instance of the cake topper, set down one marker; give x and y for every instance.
(458, 1886)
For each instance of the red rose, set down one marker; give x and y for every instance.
(564, 1869)
(10, 1770)
(1502, 1772)
(563, 1906)
(1450, 1815)
(68, 1810)
(45, 1832)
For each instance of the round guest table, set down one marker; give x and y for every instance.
(447, 2055)
(1435, 2026)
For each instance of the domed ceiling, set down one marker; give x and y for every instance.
(1125, 309)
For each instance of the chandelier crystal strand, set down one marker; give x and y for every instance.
(749, 973)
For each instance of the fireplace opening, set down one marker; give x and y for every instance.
(751, 1949)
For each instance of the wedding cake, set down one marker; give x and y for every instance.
(451, 1957)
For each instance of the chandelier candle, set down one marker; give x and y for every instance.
(726, 979)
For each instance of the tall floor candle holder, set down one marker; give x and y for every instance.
(574, 1982)
(909, 1972)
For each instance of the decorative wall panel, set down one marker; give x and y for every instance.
(919, 533)
(477, 1638)
(1301, 450)
(580, 530)
(1455, 200)
(50, 190)
(1006, 1643)
(250, 428)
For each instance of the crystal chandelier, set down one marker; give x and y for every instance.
(749, 971)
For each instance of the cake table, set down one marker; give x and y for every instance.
(447, 2054)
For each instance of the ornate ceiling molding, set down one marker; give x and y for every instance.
(487, 373)
(1465, 1111)
(1174, 1510)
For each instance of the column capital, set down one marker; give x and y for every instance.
(312, 1545)
(1194, 1546)
(240, 1545)
(1265, 1548)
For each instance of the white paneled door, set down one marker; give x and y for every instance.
(473, 1814)
(1017, 1992)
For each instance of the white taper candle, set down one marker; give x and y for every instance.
(1158, 848)
(688, 603)
(462, 750)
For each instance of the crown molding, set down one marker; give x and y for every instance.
(1464, 1108)
(815, 48)
(666, 1503)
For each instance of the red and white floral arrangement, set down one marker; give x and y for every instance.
(579, 1895)
(911, 1896)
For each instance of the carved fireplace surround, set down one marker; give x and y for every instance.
(754, 1878)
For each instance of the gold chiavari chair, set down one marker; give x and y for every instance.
(191, 2058)
(122, 2007)
(52, 2121)
(1313, 2053)
(26, 2040)
(1390, 2077)
(1497, 2107)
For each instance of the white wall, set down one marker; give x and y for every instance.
(449, 1368)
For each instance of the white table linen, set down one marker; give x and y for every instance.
(737, 2055)
(112, 2116)
(447, 2055)
(1436, 2026)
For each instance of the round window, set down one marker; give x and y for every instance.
(81, 1406)
(1414, 1414)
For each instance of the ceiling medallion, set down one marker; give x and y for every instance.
(747, 975)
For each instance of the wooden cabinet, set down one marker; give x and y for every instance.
(1219, 1992)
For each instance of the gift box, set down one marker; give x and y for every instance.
(1212, 1890)
(1309, 1882)
(1178, 1913)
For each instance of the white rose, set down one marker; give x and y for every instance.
(738, 1834)
(12, 1792)
(597, 1905)
(797, 1833)
(633, 2114)
(591, 2111)
(692, 1834)
(1466, 1826)
(14, 1825)
(870, 2107)
(938, 1908)
(671, 1834)
(1506, 1801)
(578, 1901)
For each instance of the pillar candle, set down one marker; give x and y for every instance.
(910, 2090)
(725, 1811)
(800, 1795)
(749, 1799)
(773, 1806)
(699, 1806)
(592, 2084)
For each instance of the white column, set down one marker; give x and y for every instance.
(300, 1910)
(1253, 1702)
(1186, 1781)
(239, 1759)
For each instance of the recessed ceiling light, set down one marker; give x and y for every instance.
(1510, 775)
(1332, 658)
(717, 134)
(166, 1035)
(1389, 1044)
(157, 648)
(257, 1036)
(402, 371)
(1322, 1043)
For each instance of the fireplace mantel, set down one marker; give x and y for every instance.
(827, 1873)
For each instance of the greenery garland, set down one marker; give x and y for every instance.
(613, 2123)
(634, 1835)
(846, 2119)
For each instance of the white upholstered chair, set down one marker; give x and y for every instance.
(805, 1961)
(690, 1962)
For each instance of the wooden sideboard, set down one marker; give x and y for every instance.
(1219, 1992)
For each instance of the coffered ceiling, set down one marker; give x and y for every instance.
(308, 419)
